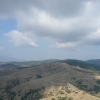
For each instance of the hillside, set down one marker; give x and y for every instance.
(73, 62)
(53, 81)
(81, 64)
(94, 61)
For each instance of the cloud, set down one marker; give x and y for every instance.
(65, 45)
(68, 24)
(19, 38)
(55, 8)
(94, 38)
(1, 48)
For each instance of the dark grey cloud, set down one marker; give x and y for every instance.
(64, 8)
(57, 8)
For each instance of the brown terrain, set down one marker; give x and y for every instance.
(53, 81)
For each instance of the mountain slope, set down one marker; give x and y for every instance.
(36, 83)
(81, 64)
(94, 61)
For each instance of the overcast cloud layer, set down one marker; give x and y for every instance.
(65, 23)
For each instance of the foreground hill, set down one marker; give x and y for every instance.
(53, 81)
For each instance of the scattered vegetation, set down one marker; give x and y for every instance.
(65, 98)
(53, 99)
(98, 81)
(95, 89)
(81, 64)
(32, 95)
(38, 76)
(67, 90)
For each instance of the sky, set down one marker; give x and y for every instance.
(50, 29)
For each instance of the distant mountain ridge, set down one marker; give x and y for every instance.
(94, 61)
(89, 64)
(8, 59)
(82, 64)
